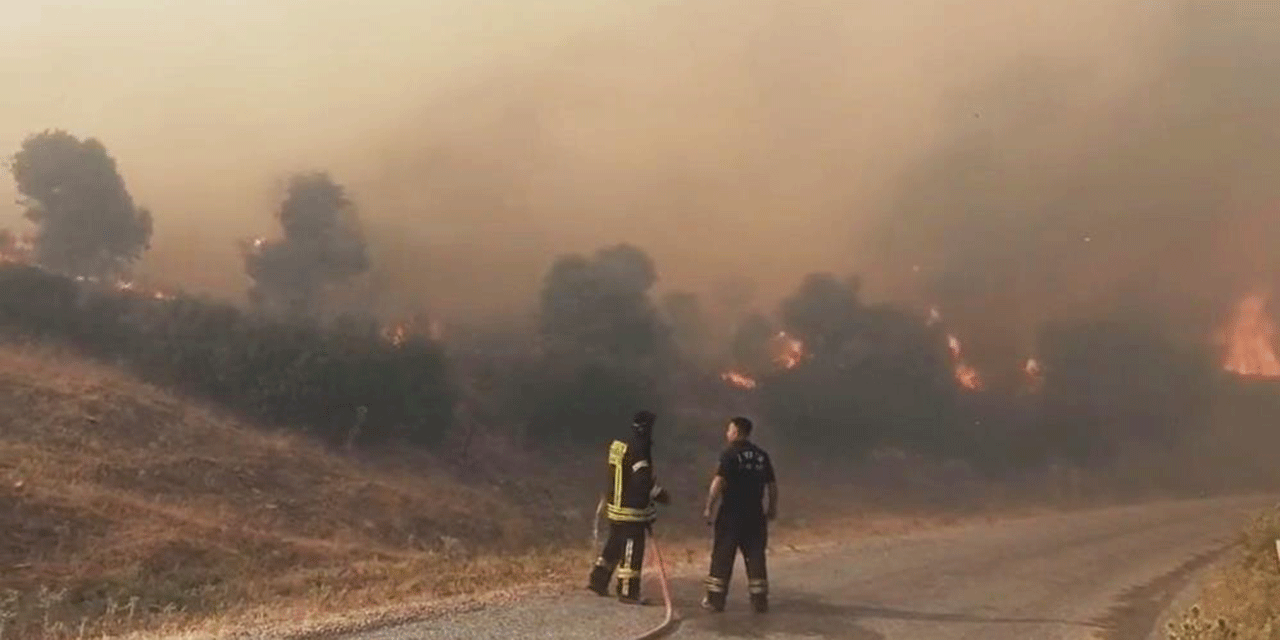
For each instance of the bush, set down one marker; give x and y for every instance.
(280, 372)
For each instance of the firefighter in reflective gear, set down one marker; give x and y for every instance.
(743, 479)
(629, 506)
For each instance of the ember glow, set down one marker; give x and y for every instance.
(1250, 340)
(935, 316)
(739, 380)
(128, 286)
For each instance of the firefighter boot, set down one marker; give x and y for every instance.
(598, 583)
(760, 603)
(717, 591)
(759, 590)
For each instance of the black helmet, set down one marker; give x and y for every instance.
(643, 421)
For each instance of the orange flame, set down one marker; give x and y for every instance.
(1035, 374)
(967, 376)
(396, 334)
(16, 249)
(739, 380)
(1250, 339)
(790, 351)
(129, 286)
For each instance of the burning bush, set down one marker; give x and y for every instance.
(87, 224)
(845, 377)
(283, 373)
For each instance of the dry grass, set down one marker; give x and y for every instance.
(128, 512)
(125, 508)
(1241, 598)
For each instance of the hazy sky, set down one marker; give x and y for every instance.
(757, 139)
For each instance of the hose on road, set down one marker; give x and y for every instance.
(670, 618)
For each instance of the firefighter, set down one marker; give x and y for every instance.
(742, 481)
(629, 500)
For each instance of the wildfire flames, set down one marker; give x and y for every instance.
(966, 376)
(131, 287)
(1250, 340)
(790, 351)
(396, 334)
(739, 380)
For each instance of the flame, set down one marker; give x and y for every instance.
(1250, 339)
(739, 380)
(790, 351)
(967, 376)
(129, 286)
(1035, 374)
(16, 248)
(397, 334)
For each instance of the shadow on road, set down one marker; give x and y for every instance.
(1138, 609)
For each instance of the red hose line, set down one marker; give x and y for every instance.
(670, 618)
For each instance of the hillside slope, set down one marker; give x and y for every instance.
(124, 507)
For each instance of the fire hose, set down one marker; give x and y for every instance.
(670, 617)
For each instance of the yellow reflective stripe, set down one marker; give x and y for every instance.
(624, 514)
(617, 452)
(715, 585)
(758, 586)
(625, 573)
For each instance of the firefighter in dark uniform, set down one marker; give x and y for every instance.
(629, 499)
(742, 481)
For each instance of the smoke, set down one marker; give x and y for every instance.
(1156, 206)
(1009, 161)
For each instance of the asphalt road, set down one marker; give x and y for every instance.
(1104, 574)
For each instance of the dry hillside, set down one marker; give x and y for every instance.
(125, 507)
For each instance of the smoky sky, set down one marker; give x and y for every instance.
(1008, 161)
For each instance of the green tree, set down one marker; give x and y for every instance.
(87, 223)
(321, 245)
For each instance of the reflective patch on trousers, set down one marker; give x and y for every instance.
(758, 587)
(715, 585)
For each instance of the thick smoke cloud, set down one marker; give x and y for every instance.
(1158, 207)
(751, 141)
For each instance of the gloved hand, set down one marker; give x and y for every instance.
(661, 496)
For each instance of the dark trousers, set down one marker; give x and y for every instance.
(624, 550)
(751, 537)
